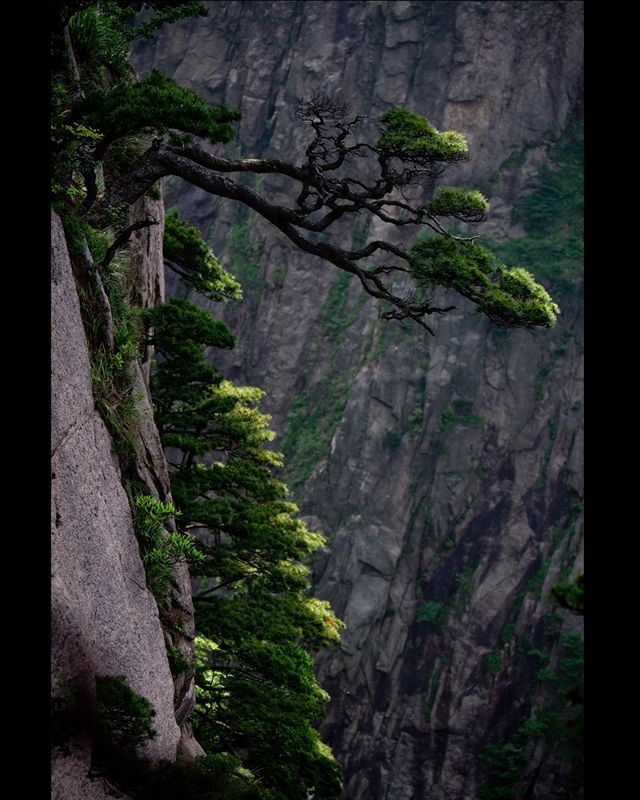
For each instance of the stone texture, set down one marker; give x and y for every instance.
(411, 706)
(149, 468)
(104, 621)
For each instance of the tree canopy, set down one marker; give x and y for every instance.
(136, 132)
(256, 694)
(189, 257)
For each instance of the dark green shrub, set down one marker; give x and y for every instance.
(428, 612)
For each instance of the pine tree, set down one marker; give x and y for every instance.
(137, 132)
(256, 694)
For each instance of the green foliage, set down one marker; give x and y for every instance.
(255, 714)
(111, 375)
(119, 406)
(518, 157)
(572, 664)
(465, 586)
(332, 312)
(544, 657)
(451, 417)
(245, 256)
(238, 499)
(536, 581)
(557, 258)
(414, 426)
(464, 204)
(126, 718)
(117, 717)
(569, 595)
(160, 550)
(120, 722)
(99, 135)
(558, 187)
(214, 777)
(428, 612)
(507, 633)
(310, 428)
(447, 420)
(78, 233)
(100, 46)
(181, 331)
(553, 215)
(167, 13)
(102, 115)
(436, 613)
(256, 693)
(493, 662)
(156, 104)
(178, 662)
(183, 383)
(508, 297)
(550, 722)
(407, 131)
(391, 439)
(505, 760)
(533, 728)
(556, 721)
(122, 13)
(110, 124)
(315, 415)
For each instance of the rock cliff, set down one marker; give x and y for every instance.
(445, 472)
(104, 620)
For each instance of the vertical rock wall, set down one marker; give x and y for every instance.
(447, 471)
(104, 620)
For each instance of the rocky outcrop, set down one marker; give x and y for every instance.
(450, 487)
(104, 620)
(458, 520)
(149, 467)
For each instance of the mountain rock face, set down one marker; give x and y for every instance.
(104, 620)
(446, 471)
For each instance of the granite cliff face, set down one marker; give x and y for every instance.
(104, 620)
(446, 472)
